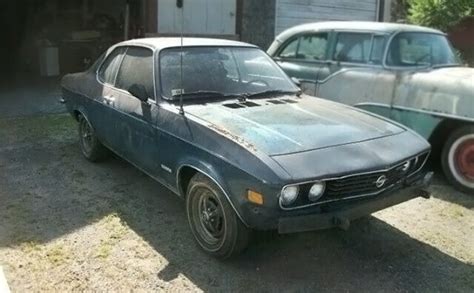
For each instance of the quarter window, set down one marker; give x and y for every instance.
(137, 68)
(290, 50)
(352, 47)
(108, 70)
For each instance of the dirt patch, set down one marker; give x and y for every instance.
(68, 224)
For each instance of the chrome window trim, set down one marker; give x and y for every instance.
(352, 175)
(432, 113)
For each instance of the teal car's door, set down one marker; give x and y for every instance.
(303, 56)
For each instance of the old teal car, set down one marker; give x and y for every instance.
(407, 73)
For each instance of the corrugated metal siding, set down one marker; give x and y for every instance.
(293, 12)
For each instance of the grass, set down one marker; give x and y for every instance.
(117, 231)
(36, 128)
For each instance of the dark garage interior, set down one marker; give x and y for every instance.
(44, 39)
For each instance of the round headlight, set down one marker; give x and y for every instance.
(289, 194)
(316, 191)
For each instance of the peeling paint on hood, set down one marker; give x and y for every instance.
(285, 128)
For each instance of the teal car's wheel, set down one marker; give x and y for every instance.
(458, 159)
(215, 226)
(91, 147)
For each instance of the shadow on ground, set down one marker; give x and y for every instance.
(48, 190)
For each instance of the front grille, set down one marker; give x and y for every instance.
(365, 184)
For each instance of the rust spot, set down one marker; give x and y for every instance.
(247, 145)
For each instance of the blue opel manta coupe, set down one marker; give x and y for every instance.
(222, 126)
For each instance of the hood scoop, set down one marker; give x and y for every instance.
(248, 104)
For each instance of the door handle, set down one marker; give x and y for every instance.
(109, 100)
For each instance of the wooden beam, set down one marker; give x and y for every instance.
(151, 17)
(238, 18)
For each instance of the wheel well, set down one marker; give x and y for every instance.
(76, 114)
(184, 177)
(441, 134)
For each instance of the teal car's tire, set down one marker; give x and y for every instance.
(91, 147)
(457, 159)
(215, 225)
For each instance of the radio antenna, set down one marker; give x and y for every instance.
(181, 110)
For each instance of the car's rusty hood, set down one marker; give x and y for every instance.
(305, 124)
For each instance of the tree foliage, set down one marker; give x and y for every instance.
(440, 14)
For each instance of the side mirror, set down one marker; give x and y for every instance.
(139, 92)
(296, 81)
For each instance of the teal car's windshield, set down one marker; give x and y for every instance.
(420, 49)
(220, 72)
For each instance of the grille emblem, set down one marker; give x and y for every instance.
(381, 181)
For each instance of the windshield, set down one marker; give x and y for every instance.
(420, 49)
(222, 71)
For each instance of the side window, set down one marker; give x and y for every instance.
(378, 46)
(313, 47)
(290, 50)
(137, 68)
(353, 47)
(108, 70)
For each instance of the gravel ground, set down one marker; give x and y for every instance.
(68, 224)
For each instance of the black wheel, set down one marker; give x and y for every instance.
(458, 159)
(91, 147)
(216, 227)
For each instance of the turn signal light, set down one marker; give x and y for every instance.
(255, 197)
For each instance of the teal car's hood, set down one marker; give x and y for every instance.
(285, 127)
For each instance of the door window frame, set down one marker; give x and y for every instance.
(372, 34)
(298, 37)
(126, 47)
(105, 59)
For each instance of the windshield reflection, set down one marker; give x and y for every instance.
(421, 49)
(220, 72)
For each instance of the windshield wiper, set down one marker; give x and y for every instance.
(446, 65)
(270, 92)
(200, 94)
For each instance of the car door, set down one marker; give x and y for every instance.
(356, 75)
(303, 56)
(135, 120)
(101, 115)
(349, 50)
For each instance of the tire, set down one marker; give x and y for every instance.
(91, 147)
(457, 159)
(216, 227)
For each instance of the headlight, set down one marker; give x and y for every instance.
(289, 194)
(316, 191)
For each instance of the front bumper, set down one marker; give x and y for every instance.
(341, 217)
